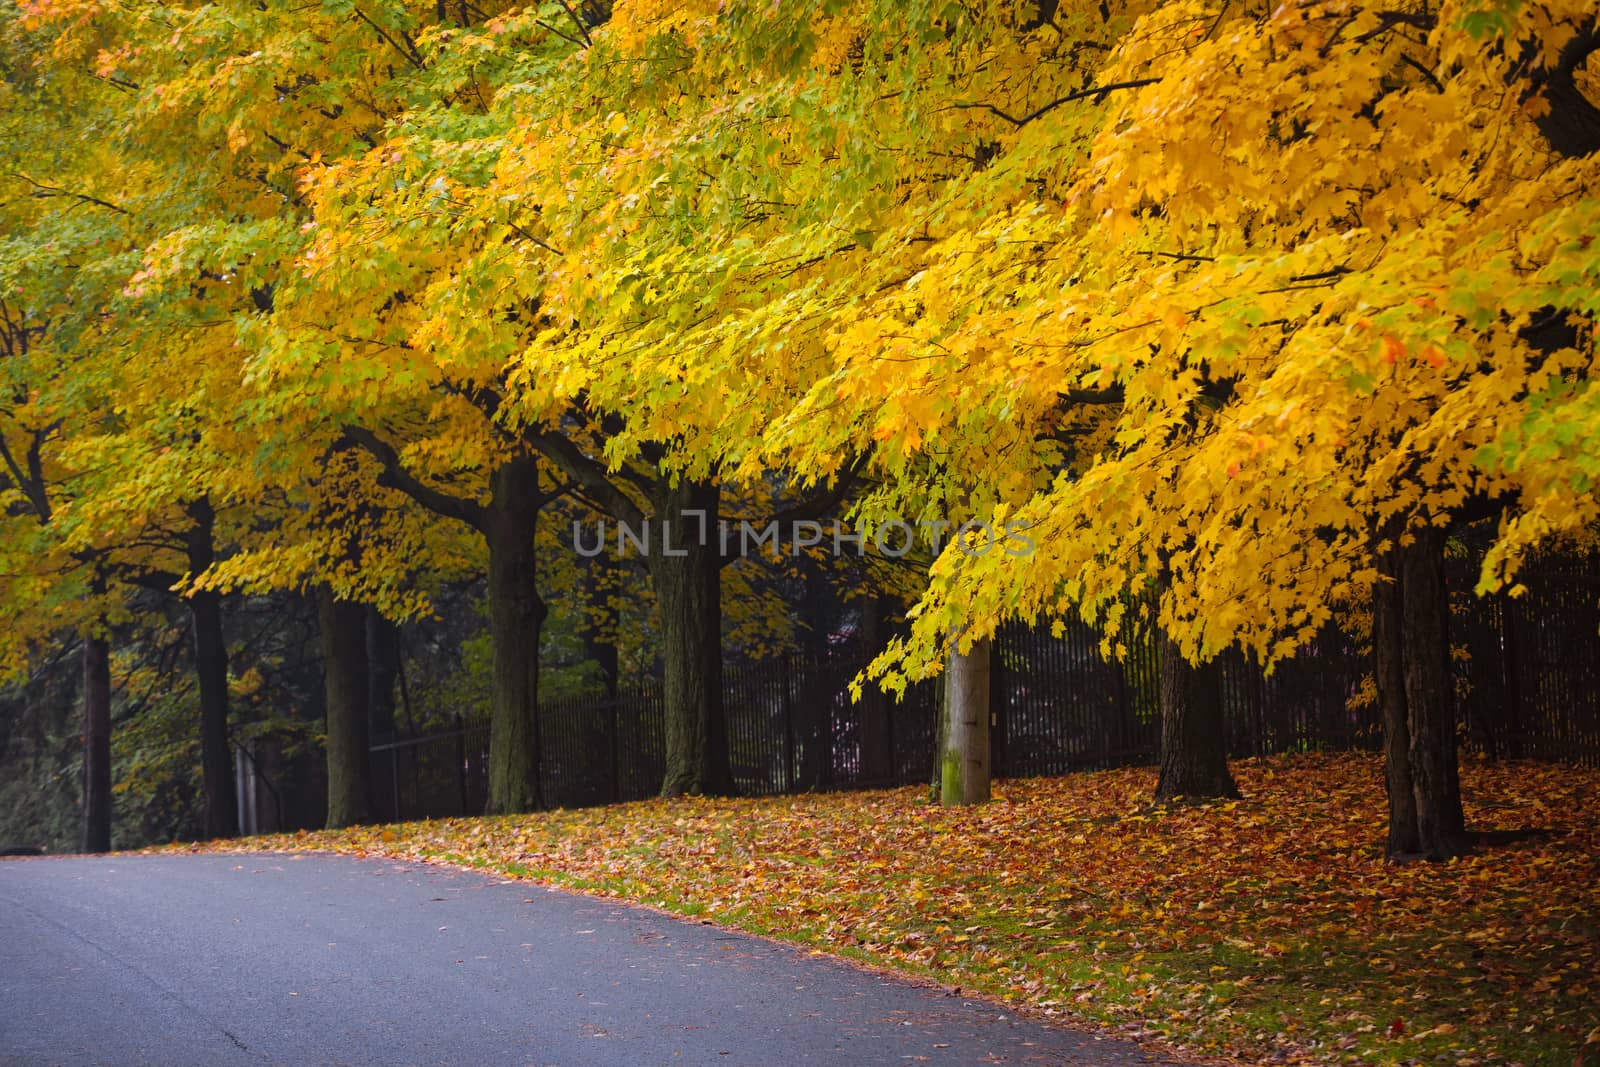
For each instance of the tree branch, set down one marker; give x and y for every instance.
(395, 476)
(411, 54)
(587, 475)
(1571, 124)
(41, 191)
(583, 30)
(1082, 94)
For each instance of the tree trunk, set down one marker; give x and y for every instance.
(1194, 756)
(516, 619)
(964, 749)
(344, 672)
(211, 672)
(1430, 703)
(96, 744)
(686, 573)
(1389, 675)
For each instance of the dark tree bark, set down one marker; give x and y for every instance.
(1389, 674)
(1411, 653)
(1194, 756)
(344, 667)
(211, 672)
(686, 572)
(96, 744)
(1571, 122)
(1430, 703)
(516, 619)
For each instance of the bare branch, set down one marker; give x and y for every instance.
(1096, 91)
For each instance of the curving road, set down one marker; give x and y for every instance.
(308, 959)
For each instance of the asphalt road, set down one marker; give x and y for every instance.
(304, 960)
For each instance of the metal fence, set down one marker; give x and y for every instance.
(1527, 673)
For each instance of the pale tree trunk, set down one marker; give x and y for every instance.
(96, 744)
(1194, 755)
(516, 619)
(211, 672)
(686, 573)
(964, 746)
(344, 673)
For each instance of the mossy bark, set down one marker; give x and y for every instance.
(964, 771)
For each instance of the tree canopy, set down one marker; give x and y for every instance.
(1219, 304)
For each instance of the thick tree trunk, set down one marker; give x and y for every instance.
(1389, 674)
(516, 619)
(211, 671)
(344, 667)
(96, 744)
(964, 748)
(1430, 703)
(686, 573)
(1411, 656)
(1194, 756)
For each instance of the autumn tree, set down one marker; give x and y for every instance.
(1298, 273)
(65, 237)
(322, 89)
(1238, 303)
(731, 238)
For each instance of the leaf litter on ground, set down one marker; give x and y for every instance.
(1267, 929)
